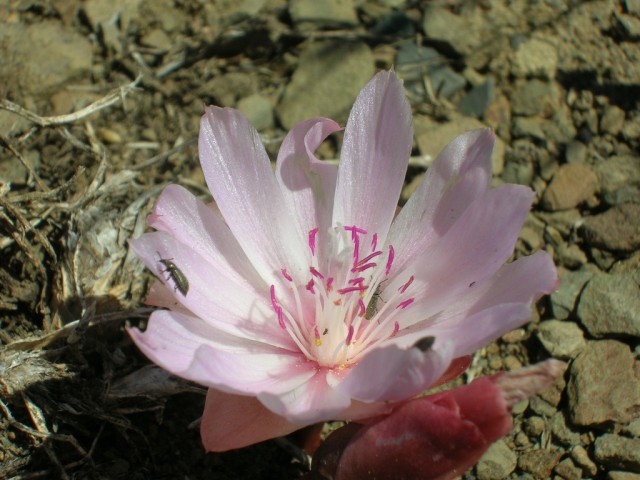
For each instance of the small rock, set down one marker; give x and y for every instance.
(432, 137)
(596, 397)
(610, 304)
(576, 152)
(498, 116)
(612, 120)
(633, 428)
(497, 463)
(474, 103)
(258, 110)
(441, 25)
(572, 184)
(534, 426)
(567, 470)
(323, 13)
(329, 69)
(623, 476)
(631, 129)
(561, 432)
(617, 229)
(619, 179)
(618, 452)
(158, 39)
(571, 256)
(535, 97)
(535, 58)
(228, 88)
(581, 457)
(541, 407)
(540, 463)
(561, 339)
(528, 127)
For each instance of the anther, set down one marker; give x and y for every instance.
(404, 287)
(316, 273)
(406, 303)
(310, 286)
(362, 308)
(349, 335)
(389, 260)
(286, 275)
(374, 242)
(312, 240)
(318, 339)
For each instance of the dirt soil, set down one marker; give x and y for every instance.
(99, 110)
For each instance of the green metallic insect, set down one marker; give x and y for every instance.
(180, 281)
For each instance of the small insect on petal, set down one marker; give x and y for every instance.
(179, 279)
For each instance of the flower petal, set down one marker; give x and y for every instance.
(172, 339)
(310, 402)
(232, 307)
(271, 371)
(239, 175)
(191, 222)
(235, 421)
(308, 184)
(473, 249)
(394, 374)
(460, 174)
(375, 152)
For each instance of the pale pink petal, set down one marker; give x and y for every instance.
(235, 308)
(274, 372)
(308, 184)
(172, 339)
(393, 374)
(239, 175)
(235, 421)
(460, 174)
(311, 402)
(473, 249)
(374, 158)
(179, 213)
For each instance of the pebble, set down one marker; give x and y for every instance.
(610, 304)
(617, 229)
(596, 398)
(497, 463)
(329, 69)
(432, 137)
(474, 103)
(535, 58)
(562, 340)
(617, 452)
(442, 25)
(528, 127)
(567, 470)
(540, 463)
(258, 110)
(313, 14)
(534, 426)
(623, 476)
(535, 97)
(619, 179)
(561, 432)
(612, 120)
(580, 455)
(576, 152)
(572, 184)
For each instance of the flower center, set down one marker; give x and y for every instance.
(343, 310)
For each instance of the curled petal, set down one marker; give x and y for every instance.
(238, 173)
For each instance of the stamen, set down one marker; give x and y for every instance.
(318, 340)
(362, 307)
(274, 302)
(316, 273)
(281, 319)
(329, 284)
(404, 287)
(406, 303)
(363, 267)
(356, 281)
(357, 288)
(389, 260)
(374, 242)
(310, 286)
(349, 335)
(286, 275)
(396, 329)
(312, 240)
(355, 231)
(369, 257)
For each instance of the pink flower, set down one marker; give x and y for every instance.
(303, 299)
(437, 437)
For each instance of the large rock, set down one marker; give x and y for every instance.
(41, 57)
(616, 229)
(561, 339)
(535, 58)
(617, 452)
(619, 179)
(604, 386)
(329, 76)
(443, 26)
(610, 304)
(572, 184)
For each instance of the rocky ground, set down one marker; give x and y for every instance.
(558, 80)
